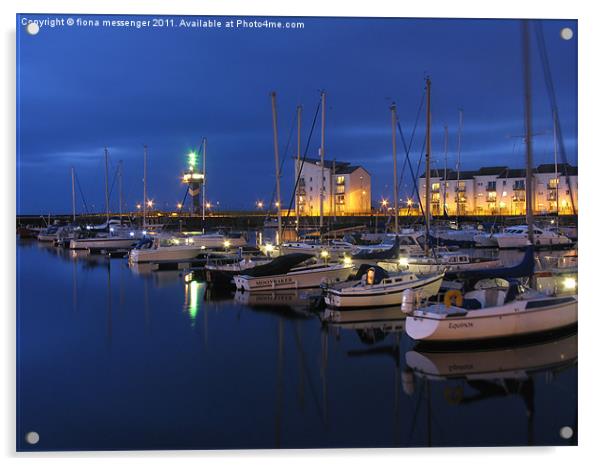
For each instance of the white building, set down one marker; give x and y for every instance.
(346, 188)
(501, 191)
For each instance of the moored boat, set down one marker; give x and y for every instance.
(292, 271)
(518, 237)
(450, 262)
(379, 289)
(158, 250)
(495, 309)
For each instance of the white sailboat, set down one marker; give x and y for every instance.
(518, 237)
(375, 291)
(164, 250)
(496, 309)
(448, 262)
(217, 241)
(292, 271)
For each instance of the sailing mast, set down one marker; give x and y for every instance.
(527, 109)
(323, 95)
(120, 192)
(445, 170)
(299, 110)
(460, 123)
(73, 192)
(427, 159)
(333, 179)
(107, 183)
(394, 141)
(204, 178)
(556, 170)
(144, 195)
(277, 164)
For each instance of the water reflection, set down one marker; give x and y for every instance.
(477, 376)
(159, 361)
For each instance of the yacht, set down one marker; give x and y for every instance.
(497, 308)
(518, 237)
(377, 288)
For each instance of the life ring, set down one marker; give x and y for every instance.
(453, 295)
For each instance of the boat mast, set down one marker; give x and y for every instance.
(333, 179)
(144, 194)
(527, 110)
(394, 141)
(427, 159)
(204, 178)
(323, 94)
(460, 124)
(297, 171)
(107, 183)
(73, 192)
(120, 192)
(556, 169)
(277, 164)
(445, 169)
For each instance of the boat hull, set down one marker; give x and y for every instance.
(102, 243)
(295, 279)
(381, 295)
(167, 254)
(509, 320)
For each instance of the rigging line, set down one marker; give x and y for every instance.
(416, 191)
(407, 147)
(311, 132)
(543, 55)
(290, 134)
(81, 193)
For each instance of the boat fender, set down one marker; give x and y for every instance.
(407, 301)
(453, 295)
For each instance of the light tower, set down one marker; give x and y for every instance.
(194, 178)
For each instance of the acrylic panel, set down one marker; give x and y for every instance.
(295, 232)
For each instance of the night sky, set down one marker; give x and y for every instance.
(81, 89)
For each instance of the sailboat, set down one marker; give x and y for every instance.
(496, 308)
(292, 271)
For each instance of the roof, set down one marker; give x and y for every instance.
(503, 172)
(342, 168)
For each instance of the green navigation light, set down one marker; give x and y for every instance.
(192, 159)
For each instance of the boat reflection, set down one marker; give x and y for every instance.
(160, 278)
(294, 303)
(517, 362)
(472, 376)
(386, 318)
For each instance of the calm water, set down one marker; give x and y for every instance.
(112, 358)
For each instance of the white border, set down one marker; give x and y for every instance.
(589, 174)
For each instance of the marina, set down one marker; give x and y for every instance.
(196, 346)
(343, 259)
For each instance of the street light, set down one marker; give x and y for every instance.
(259, 204)
(179, 205)
(150, 203)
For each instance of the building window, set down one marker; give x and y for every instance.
(436, 186)
(491, 186)
(519, 185)
(310, 179)
(340, 189)
(504, 183)
(340, 180)
(491, 196)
